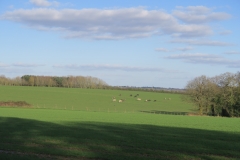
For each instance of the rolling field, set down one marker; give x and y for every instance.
(93, 99)
(101, 133)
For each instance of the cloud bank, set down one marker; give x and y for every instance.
(115, 24)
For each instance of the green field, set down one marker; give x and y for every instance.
(59, 133)
(93, 99)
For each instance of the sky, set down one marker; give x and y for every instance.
(125, 43)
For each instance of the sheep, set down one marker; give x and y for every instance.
(165, 98)
(120, 101)
(130, 95)
(139, 99)
(155, 100)
(114, 100)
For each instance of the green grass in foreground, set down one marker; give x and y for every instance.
(93, 99)
(66, 134)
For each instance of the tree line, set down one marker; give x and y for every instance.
(54, 81)
(216, 96)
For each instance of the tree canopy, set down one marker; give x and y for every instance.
(219, 95)
(54, 81)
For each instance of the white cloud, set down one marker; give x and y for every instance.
(43, 3)
(115, 67)
(232, 52)
(201, 42)
(201, 58)
(162, 50)
(26, 65)
(199, 14)
(106, 23)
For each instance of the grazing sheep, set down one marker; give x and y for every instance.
(155, 100)
(114, 100)
(135, 96)
(120, 101)
(130, 95)
(146, 100)
(139, 99)
(149, 99)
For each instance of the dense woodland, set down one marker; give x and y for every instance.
(53, 81)
(217, 96)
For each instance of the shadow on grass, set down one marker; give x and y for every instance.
(31, 139)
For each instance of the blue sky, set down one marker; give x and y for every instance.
(134, 43)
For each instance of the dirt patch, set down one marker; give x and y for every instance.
(15, 104)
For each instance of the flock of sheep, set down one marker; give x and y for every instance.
(136, 96)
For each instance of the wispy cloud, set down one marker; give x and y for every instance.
(201, 58)
(232, 52)
(162, 50)
(199, 14)
(3, 65)
(115, 67)
(26, 65)
(201, 42)
(226, 32)
(43, 3)
(112, 24)
(183, 49)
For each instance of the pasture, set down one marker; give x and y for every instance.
(48, 132)
(94, 99)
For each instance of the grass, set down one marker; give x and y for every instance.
(62, 134)
(93, 99)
